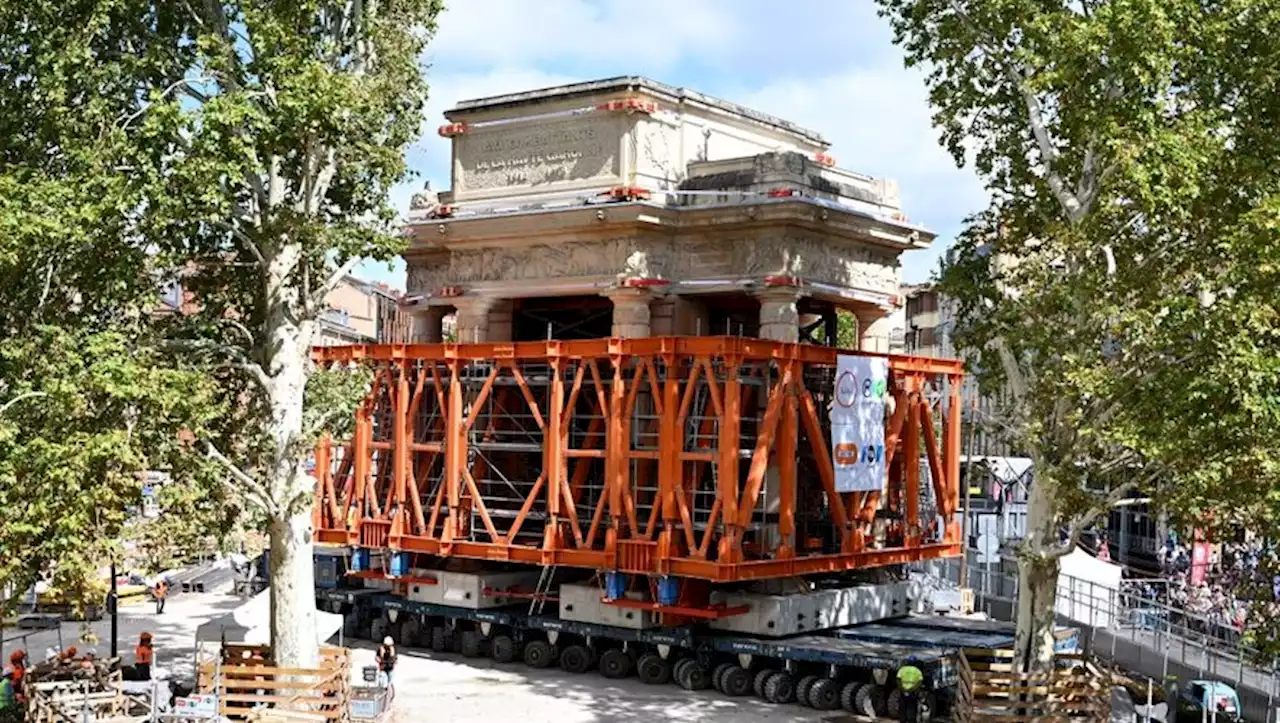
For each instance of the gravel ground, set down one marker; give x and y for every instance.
(430, 686)
(454, 688)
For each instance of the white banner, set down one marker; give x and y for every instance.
(857, 423)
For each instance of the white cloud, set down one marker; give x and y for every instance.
(878, 122)
(653, 34)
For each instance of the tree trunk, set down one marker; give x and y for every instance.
(1037, 581)
(292, 573)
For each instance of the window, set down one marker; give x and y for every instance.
(171, 294)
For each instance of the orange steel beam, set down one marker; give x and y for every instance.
(384, 503)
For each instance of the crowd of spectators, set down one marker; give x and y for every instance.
(1214, 601)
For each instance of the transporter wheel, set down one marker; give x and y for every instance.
(455, 640)
(757, 683)
(893, 703)
(802, 689)
(503, 649)
(847, 695)
(736, 681)
(439, 641)
(871, 700)
(678, 670)
(716, 672)
(378, 629)
(411, 633)
(539, 654)
(780, 688)
(575, 659)
(615, 663)
(824, 694)
(699, 677)
(652, 669)
(470, 642)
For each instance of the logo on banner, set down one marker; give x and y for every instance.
(857, 423)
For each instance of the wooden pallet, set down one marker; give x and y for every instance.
(990, 690)
(250, 688)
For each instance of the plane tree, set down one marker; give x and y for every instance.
(1120, 285)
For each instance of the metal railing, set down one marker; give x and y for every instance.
(1169, 639)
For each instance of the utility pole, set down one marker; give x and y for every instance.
(113, 604)
(968, 485)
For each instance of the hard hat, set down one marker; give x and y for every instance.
(388, 641)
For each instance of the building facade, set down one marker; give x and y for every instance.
(625, 207)
(362, 312)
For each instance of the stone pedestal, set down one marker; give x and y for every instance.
(427, 325)
(779, 320)
(874, 331)
(473, 318)
(630, 312)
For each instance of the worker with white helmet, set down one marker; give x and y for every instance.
(387, 658)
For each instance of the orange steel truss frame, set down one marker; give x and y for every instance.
(696, 457)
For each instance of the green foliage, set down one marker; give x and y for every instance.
(1122, 282)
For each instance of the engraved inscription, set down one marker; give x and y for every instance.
(539, 156)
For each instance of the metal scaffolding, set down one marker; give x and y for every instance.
(700, 457)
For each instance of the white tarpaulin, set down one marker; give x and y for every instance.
(251, 623)
(1088, 588)
(857, 423)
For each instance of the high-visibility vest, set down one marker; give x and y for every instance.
(6, 693)
(143, 654)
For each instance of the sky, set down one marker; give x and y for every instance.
(828, 65)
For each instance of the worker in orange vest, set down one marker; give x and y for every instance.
(161, 592)
(18, 663)
(143, 656)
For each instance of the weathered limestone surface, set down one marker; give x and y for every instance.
(631, 315)
(765, 253)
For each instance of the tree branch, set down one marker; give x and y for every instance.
(250, 485)
(241, 360)
(19, 398)
(1035, 117)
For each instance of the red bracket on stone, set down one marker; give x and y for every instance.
(449, 292)
(783, 193)
(450, 130)
(783, 281)
(631, 105)
(895, 299)
(825, 159)
(643, 283)
(627, 193)
(445, 211)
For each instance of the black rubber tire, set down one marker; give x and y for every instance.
(439, 641)
(699, 677)
(847, 695)
(455, 641)
(824, 694)
(871, 700)
(470, 643)
(716, 672)
(407, 634)
(539, 654)
(780, 688)
(736, 681)
(651, 669)
(378, 630)
(575, 659)
(802, 689)
(757, 683)
(503, 649)
(677, 670)
(893, 704)
(615, 663)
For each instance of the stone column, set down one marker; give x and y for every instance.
(779, 320)
(427, 325)
(630, 311)
(874, 330)
(473, 318)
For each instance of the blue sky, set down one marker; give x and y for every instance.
(829, 65)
